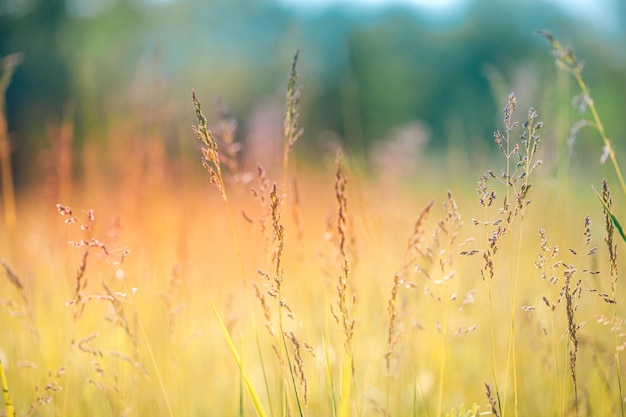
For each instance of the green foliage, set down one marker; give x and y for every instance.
(373, 71)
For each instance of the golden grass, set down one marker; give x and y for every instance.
(378, 299)
(188, 350)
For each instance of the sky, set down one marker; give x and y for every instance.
(434, 4)
(593, 11)
(433, 7)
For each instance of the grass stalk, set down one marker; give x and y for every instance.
(346, 386)
(292, 130)
(610, 224)
(567, 60)
(78, 310)
(487, 197)
(530, 141)
(7, 67)
(442, 363)
(449, 226)
(265, 379)
(256, 401)
(329, 374)
(619, 381)
(293, 377)
(551, 253)
(211, 162)
(8, 404)
(155, 365)
(515, 179)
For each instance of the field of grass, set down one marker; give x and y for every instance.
(149, 286)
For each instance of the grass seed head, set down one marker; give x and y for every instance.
(609, 227)
(292, 130)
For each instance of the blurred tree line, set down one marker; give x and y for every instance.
(365, 72)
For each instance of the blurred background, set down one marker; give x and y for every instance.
(384, 78)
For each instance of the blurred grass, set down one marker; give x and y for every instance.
(179, 224)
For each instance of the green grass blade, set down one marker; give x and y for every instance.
(256, 401)
(265, 379)
(415, 398)
(293, 377)
(619, 382)
(617, 224)
(329, 375)
(346, 385)
(8, 404)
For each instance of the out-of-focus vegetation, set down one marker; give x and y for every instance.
(371, 74)
(339, 292)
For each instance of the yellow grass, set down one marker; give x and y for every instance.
(180, 224)
(361, 297)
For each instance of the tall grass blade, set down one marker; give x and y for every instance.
(329, 375)
(256, 401)
(346, 385)
(265, 380)
(618, 368)
(8, 404)
(616, 222)
(415, 398)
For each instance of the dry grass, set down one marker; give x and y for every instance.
(108, 311)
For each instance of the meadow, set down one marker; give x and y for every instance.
(135, 283)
